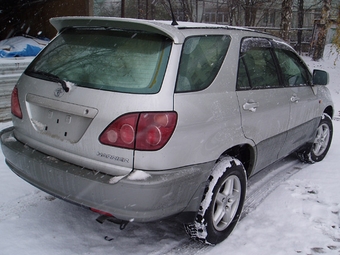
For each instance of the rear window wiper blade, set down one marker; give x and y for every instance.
(50, 77)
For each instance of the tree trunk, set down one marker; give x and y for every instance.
(322, 31)
(122, 8)
(253, 15)
(152, 11)
(300, 26)
(231, 15)
(203, 11)
(196, 10)
(145, 9)
(247, 13)
(216, 11)
(336, 39)
(286, 19)
(138, 9)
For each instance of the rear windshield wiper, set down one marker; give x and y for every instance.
(50, 77)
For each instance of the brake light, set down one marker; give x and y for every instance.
(15, 105)
(141, 131)
(121, 132)
(154, 130)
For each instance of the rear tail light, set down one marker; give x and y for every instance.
(154, 130)
(141, 131)
(121, 132)
(15, 105)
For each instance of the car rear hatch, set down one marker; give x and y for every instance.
(83, 81)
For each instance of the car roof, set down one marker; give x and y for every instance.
(154, 26)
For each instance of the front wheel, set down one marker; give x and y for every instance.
(318, 149)
(222, 202)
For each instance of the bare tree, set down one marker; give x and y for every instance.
(265, 12)
(300, 25)
(233, 9)
(250, 10)
(186, 7)
(322, 31)
(286, 19)
(336, 40)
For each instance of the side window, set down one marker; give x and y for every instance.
(257, 69)
(294, 72)
(201, 59)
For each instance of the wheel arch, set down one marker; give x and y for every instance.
(329, 110)
(245, 153)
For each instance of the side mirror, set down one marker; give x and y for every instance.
(320, 77)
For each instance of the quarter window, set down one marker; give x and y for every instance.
(201, 59)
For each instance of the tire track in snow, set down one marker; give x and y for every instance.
(265, 182)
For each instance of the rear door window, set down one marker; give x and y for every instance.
(123, 61)
(257, 67)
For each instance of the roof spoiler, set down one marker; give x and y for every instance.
(163, 28)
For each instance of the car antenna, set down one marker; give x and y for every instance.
(174, 22)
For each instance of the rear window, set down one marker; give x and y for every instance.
(123, 61)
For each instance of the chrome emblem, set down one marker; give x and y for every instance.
(59, 92)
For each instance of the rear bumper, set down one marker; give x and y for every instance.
(149, 196)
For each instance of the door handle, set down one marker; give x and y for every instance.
(251, 106)
(294, 98)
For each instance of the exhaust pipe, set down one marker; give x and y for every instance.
(122, 223)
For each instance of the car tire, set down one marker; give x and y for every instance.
(317, 150)
(222, 202)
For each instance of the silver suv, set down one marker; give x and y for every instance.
(144, 120)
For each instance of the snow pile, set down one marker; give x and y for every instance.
(21, 46)
(138, 175)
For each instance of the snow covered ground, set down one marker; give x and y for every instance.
(300, 216)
